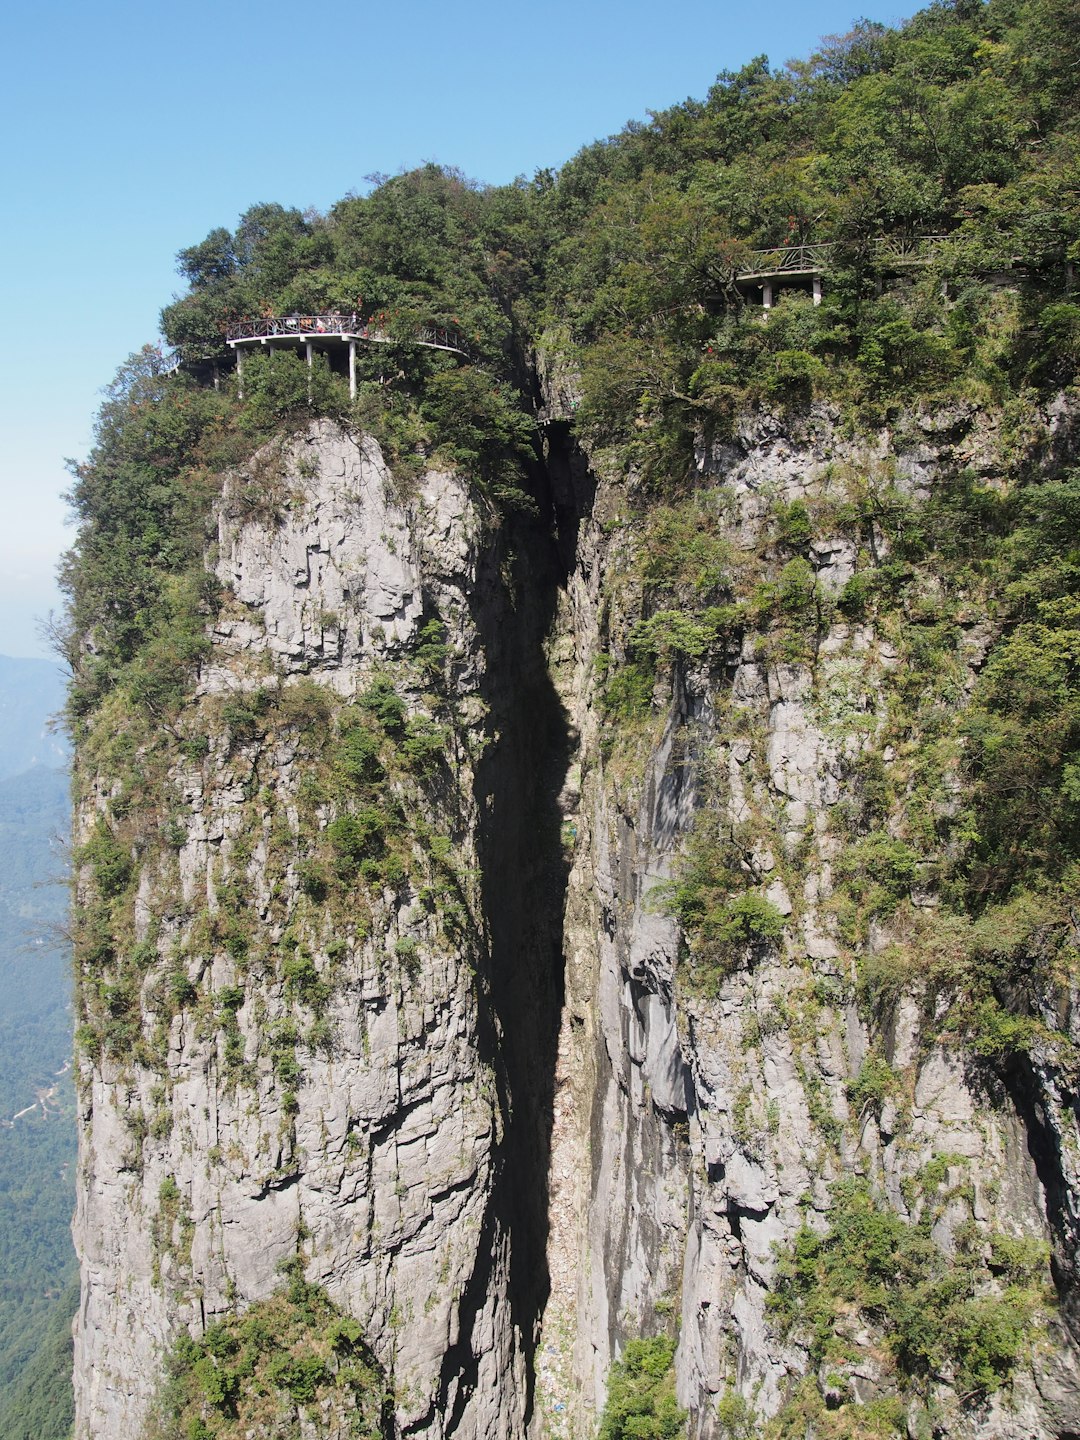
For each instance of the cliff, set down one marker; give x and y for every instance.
(530, 981)
(721, 1112)
(346, 958)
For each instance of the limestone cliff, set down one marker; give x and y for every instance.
(343, 1078)
(409, 997)
(703, 1130)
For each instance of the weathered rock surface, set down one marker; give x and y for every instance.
(381, 1162)
(711, 1127)
(537, 1143)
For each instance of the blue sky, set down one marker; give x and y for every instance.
(131, 129)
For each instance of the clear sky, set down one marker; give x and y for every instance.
(133, 127)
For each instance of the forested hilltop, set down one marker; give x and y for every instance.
(963, 123)
(833, 544)
(960, 124)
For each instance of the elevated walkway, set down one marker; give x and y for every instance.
(767, 270)
(328, 332)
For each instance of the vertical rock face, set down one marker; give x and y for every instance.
(462, 1069)
(333, 1082)
(718, 1122)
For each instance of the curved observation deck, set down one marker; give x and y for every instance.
(325, 332)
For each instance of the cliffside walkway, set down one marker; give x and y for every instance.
(330, 331)
(770, 268)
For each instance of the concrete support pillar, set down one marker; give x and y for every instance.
(307, 347)
(766, 294)
(817, 289)
(352, 369)
(239, 373)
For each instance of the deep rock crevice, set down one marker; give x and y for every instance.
(524, 873)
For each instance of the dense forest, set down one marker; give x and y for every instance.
(954, 139)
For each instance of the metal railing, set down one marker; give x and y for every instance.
(786, 259)
(348, 327)
(268, 326)
(915, 250)
(441, 337)
(813, 258)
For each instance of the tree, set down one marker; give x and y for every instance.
(213, 259)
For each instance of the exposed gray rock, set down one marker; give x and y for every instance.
(378, 1166)
(688, 1129)
(767, 1062)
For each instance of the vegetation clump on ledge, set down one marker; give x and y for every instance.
(966, 1319)
(286, 1360)
(641, 1402)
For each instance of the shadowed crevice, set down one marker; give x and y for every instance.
(523, 879)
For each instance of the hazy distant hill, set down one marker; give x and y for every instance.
(34, 1019)
(31, 691)
(37, 1148)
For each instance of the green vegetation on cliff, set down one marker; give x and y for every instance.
(641, 1402)
(291, 1360)
(967, 1315)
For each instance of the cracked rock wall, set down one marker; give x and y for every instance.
(697, 1132)
(509, 1144)
(375, 1150)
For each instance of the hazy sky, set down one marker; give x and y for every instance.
(132, 127)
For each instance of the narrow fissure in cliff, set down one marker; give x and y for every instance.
(1035, 1091)
(524, 871)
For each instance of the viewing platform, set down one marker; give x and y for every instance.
(768, 269)
(329, 332)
